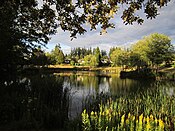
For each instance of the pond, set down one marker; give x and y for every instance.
(83, 85)
(48, 100)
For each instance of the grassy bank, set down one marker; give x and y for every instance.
(68, 68)
(89, 68)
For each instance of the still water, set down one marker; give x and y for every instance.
(41, 99)
(84, 85)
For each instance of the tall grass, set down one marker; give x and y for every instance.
(152, 110)
(37, 103)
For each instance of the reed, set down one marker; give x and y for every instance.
(151, 110)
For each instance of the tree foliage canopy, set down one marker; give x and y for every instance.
(72, 15)
(25, 23)
(160, 48)
(38, 57)
(22, 26)
(154, 50)
(57, 56)
(35, 22)
(119, 57)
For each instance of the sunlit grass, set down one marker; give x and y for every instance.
(87, 68)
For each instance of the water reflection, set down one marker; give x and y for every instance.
(48, 101)
(97, 84)
(85, 85)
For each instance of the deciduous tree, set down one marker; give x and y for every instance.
(90, 60)
(120, 57)
(160, 48)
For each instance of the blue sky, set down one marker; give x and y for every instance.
(122, 35)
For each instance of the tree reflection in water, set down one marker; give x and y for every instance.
(49, 101)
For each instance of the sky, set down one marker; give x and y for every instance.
(122, 35)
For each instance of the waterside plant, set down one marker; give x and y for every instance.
(151, 110)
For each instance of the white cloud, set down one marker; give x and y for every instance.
(122, 35)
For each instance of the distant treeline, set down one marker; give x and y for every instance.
(151, 51)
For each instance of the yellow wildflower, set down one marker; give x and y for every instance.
(92, 113)
(156, 120)
(129, 115)
(107, 112)
(102, 113)
(144, 119)
(127, 121)
(122, 120)
(141, 118)
(148, 126)
(161, 124)
(147, 119)
(151, 117)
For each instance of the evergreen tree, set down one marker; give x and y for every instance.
(57, 55)
(98, 56)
